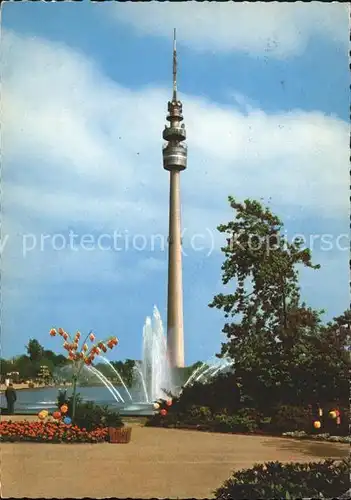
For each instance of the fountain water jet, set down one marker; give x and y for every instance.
(118, 375)
(107, 383)
(137, 370)
(155, 369)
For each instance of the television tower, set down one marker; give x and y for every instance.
(175, 160)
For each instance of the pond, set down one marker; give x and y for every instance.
(31, 401)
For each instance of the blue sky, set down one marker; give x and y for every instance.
(85, 90)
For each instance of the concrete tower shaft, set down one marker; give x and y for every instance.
(175, 160)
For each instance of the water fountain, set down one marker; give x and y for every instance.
(208, 370)
(152, 375)
(155, 369)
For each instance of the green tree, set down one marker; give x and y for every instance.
(126, 370)
(129, 365)
(56, 359)
(25, 367)
(264, 267)
(35, 350)
(323, 369)
(271, 335)
(5, 367)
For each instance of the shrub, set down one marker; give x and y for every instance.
(329, 424)
(88, 415)
(245, 420)
(51, 432)
(235, 423)
(219, 394)
(62, 397)
(198, 415)
(291, 418)
(275, 480)
(112, 419)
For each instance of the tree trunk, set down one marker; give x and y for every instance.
(74, 398)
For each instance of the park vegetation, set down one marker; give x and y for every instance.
(74, 421)
(44, 366)
(289, 367)
(50, 432)
(327, 479)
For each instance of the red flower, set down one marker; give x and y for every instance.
(53, 332)
(163, 412)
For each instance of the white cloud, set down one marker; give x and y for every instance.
(79, 149)
(273, 30)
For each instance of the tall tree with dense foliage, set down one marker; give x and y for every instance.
(35, 350)
(270, 333)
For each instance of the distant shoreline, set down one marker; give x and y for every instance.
(24, 386)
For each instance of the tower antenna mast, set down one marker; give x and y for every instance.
(174, 65)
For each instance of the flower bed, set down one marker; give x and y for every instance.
(49, 432)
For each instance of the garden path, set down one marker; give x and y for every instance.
(156, 463)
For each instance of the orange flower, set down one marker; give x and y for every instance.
(61, 331)
(65, 335)
(92, 337)
(103, 348)
(78, 335)
(64, 409)
(53, 332)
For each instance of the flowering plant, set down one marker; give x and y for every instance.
(82, 356)
(162, 406)
(53, 432)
